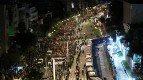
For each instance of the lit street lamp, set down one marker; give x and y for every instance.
(53, 59)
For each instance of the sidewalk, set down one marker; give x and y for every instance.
(104, 64)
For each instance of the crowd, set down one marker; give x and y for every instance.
(66, 32)
(59, 43)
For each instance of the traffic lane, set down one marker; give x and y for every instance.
(82, 63)
(88, 30)
(72, 75)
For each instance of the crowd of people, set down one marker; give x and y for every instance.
(66, 32)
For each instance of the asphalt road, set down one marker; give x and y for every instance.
(86, 30)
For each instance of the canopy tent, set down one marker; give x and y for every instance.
(92, 73)
(88, 60)
(88, 50)
(89, 64)
(90, 68)
(88, 53)
(95, 78)
(89, 45)
(88, 56)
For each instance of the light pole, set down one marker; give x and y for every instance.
(67, 55)
(54, 68)
(54, 74)
(48, 54)
(46, 67)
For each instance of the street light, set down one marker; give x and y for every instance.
(48, 53)
(53, 59)
(49, 35)
(96, 28)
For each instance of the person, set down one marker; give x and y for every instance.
(84, 66)
(82, 71)
(83, 51)
(77, 77)
(66, 77)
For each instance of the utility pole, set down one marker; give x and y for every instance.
(67, 51)
(53, 59)
(54, 69)
(46, 66)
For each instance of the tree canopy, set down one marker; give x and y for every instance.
(116, 12)
(24, 38)
(34, 74)
(136, 41)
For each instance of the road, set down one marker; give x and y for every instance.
(87, 29)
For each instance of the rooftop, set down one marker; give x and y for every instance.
(134, 1)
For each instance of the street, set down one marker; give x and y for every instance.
(86, 30)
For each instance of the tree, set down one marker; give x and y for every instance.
(24, 38)
(9, 59)
(116, 11)
(102, 19)
(34, 74)
(136, 41)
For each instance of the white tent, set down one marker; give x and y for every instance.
(89, 45)
(88, 56)
(92, 73)
(88, 63)
(88, 53)
(90, 68)
(95, 78)
(88, 50)
(88, 60)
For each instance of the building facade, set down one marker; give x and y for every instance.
(3, 29)
(132, 12)
(11, 14)
(132, 21)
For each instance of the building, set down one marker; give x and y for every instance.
(27, 14)
(8, 23)
(132, 12)
(13, 21)
(32, 11)
(3, 28)
(11, 14)
(132, 22)
(31, 15)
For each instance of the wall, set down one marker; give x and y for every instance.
(132, 13)
(126, 12)
(3, 29)
(137, 13)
